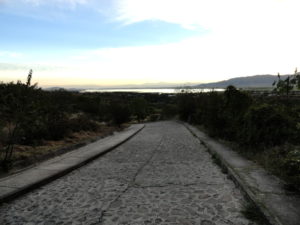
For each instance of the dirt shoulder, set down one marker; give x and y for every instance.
(25, 156)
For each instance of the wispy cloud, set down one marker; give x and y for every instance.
(67, 4)
(247, 37)
(35, 66)
(72, 3)
(206, 58)
(43, 73)
(217, 15)
(10, 54)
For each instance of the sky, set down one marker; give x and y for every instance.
(115, 42)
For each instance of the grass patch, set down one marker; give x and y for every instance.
(25, 155)
(216, 160)
(251, 212)
(280, 162)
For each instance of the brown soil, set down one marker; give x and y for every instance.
(26, 156)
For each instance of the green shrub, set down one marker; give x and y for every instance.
(169, 111)
(139, 108)
(186, 106)
(265, 125)
(91, 105)
(212, 114)
(120, 113)
(292, 163)
(82, 123)
(236, 104)
(154, 117)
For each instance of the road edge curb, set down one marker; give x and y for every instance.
(234, 176)
(47, 179)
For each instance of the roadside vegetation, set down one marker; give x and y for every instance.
(264, 128)
(251, 212)
(35, 123)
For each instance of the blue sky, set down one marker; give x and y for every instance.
(109, 42)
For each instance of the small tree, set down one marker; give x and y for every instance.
(15, 102)
(295, 81)
(120, 113)
(236, 104)
(186, 106)
(290, 83)
(139, 108)
(265, 126)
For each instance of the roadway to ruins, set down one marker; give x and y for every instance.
(163, 175)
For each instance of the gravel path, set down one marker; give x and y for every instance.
(161, 176)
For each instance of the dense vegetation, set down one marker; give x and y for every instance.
(265, 128)
(30, 115)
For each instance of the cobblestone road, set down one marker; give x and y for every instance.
(161, 176)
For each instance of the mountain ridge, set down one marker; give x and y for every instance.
(254, 81)
(258, 81)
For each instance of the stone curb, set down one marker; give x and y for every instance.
(265, 191)
(27, 180)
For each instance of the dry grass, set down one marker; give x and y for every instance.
(24, 156)
(274, 160)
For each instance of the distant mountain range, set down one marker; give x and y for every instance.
(244, 82)
(257, 81)
(162, 85)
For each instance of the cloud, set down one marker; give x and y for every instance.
(22, 66)
(245, 38)
(198, 59)
(68, 2)
(217, 15)
(10, 54)
(42, 73)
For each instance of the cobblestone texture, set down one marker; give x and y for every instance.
(161, 176)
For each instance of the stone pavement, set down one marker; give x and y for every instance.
(277, 204)
(30, 178)
(163, 175)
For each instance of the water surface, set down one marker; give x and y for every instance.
(154, 90)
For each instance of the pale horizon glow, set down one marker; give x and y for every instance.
(209, 40)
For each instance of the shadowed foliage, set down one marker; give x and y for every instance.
(255, 123)
(29, 115)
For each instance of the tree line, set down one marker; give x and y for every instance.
(266, 126)
(260, 125)
(29, 114)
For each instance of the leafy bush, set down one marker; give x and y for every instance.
(154, 117)
(139, 108)
(236, 105)
(211, 113)
(186, 106)
(120, 113)
(236, 116)
(292, 166)
(91, 105)
(265, 125)
(82, 123)
(262, 126)
(169, 111)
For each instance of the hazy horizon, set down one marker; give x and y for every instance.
(122, 42)
(141, 85)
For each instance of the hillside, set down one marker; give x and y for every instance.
(243, 82)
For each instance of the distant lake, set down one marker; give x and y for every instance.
(154, 90)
